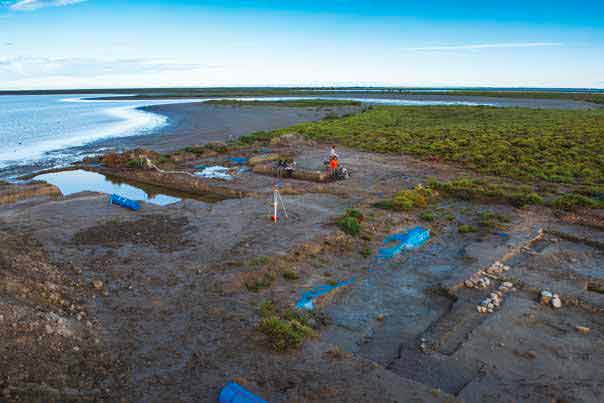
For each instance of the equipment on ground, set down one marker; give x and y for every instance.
(234, 393)
(277, 201)
(285, 167)
(124, 202)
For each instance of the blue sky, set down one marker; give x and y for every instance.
(162, 43)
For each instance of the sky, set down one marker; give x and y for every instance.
(56, 44)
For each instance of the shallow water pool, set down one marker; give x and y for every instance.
(70, 182)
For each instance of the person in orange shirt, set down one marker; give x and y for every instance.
(333, 161)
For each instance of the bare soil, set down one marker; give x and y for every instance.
(102, 303)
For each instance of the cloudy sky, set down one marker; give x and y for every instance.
(167, 43)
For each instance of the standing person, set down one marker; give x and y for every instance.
(333, 161)
(333, 153)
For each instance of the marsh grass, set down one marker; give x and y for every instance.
(475, 189)
(563, 146)
(284, 330)
(294, 103)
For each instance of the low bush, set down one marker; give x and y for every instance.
(574, 201)
(427, 216)
(285, 330)
(473, 189)
(466, 229)
(351, 222)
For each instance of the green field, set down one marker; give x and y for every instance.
(565, 146)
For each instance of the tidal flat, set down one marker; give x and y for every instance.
(171, 302)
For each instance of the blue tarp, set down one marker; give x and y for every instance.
(306, 302)
(123, 202)
(233, 393)
(412, 239)
(239, 160)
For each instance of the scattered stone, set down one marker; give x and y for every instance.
(530, 354)
(507, 284)
(469, 283)
(545, 297)
(97, 284)
(381, 317)
(582, 329)
(556, 302)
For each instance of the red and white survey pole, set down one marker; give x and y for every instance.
(277, 200)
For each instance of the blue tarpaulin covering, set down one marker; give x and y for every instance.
(404, 241)
(306, 302)
(233, 393)
(123, 202)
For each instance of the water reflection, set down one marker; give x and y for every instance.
(70, 182)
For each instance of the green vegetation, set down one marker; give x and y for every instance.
(526, 144)
(408, 199)
(285, 330)
(466, 229)
(137, 163)
(290, 274)
(573, 201)
(491, 220)
(294, 103)
(168, 93)
(427, 216)
(474, 189)
(351, 222)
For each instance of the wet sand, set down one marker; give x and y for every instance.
(198, 123)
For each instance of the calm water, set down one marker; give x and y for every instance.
(44, 131)
(70, 182)
(38, 127)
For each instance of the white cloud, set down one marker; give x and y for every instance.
(30, 5)
(487, 46)
(27, 67)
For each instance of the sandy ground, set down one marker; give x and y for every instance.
(101, 303)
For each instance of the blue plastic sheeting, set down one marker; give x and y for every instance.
(239, 160)
(201, 167)
(233, 393)
(405, 241)
(502, 234)
(123, 202)
(306, 301)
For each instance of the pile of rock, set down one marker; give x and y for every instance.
(497, 268)
(494, 300)
(481, 279)
(548, 298)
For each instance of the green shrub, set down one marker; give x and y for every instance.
(493, 220)
(427, 216)
(466, 229)
(573, 201)
(350, 225)
(355, 214)
(473, 189)
(284, 334)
